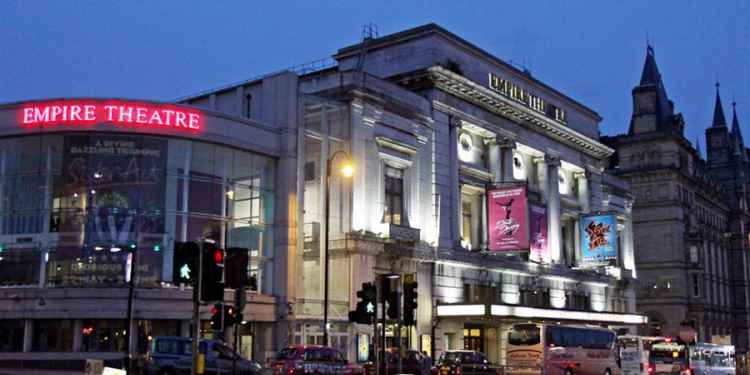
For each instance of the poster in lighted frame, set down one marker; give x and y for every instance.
(538, 247)
(507, 214)
(598, 238)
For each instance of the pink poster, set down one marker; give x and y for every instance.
(506, 213)
(538, 231)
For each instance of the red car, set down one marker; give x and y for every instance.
(313, 359)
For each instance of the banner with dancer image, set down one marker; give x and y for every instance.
(598, 239)
(507, 214)
(538, 231)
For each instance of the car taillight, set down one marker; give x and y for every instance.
(650, 369)
(458, 370)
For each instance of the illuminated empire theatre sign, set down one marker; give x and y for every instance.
(529, 100)
(118, 112)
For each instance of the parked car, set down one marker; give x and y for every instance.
(313, 359)
(170, 355)
(464, 362)
(413, 363)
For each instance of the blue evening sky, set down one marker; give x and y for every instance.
(591, 50)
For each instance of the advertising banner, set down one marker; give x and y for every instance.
(112, 190)
(507, 213)
(598, 238)
(538, 229)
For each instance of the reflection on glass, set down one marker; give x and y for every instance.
(73, 200)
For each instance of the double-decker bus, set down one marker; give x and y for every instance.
(553, 349)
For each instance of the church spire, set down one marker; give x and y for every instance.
(719, 120)
(735, 123)
(650, 74)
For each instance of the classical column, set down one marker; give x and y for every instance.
(553, 208)
(507, 146)
(454, 124)
(583, 190)
(494, 161)
(541, 174)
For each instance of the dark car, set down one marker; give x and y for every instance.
(413, 363)
(464, 362)
(170, 355)
(313, 359)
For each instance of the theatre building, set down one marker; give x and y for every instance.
(85, 183)
(471, 177)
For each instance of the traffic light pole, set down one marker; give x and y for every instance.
(196, 312)
(397, 334)
(129, 318)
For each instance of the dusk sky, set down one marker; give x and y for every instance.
(592, 51)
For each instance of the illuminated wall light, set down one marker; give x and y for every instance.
(557, 298)
(531, 312)
(460, 310)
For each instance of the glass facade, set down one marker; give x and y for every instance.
(74, 206)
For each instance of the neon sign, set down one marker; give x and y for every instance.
(118, 112)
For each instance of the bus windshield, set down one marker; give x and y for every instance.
(524, 334)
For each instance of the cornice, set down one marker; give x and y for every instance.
(472, 92)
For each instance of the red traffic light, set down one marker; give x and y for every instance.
(219, 256)
(214, 310)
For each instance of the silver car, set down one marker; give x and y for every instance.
(170, 355)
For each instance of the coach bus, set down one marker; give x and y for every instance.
(553, 349)
(711, 359)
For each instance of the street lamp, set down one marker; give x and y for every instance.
(347, 170)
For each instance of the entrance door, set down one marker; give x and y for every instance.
(474, 338)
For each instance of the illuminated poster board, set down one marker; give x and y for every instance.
(111, 191)
(538, 251)
(598, 238)
(507, 213)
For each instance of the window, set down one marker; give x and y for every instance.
(52, 336)
(248, 105)
(309, 171)
(524, 334)
(471, 230)
(693, 254)
(394, 197)
(103, 336)
(11, 335)
(696, 285)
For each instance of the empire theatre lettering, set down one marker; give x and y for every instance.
(529, 100)
(115, 112)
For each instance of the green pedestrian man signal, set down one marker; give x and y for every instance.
(366, 307)
(185, 272)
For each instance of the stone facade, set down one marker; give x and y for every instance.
(425, 110)
(689, 216)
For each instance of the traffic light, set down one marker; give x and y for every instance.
(367, 306)
(236, 268)
(390, 296)
(212, 278)
(185, 263)
(410, 303)
(230, 315)
(217, 317)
